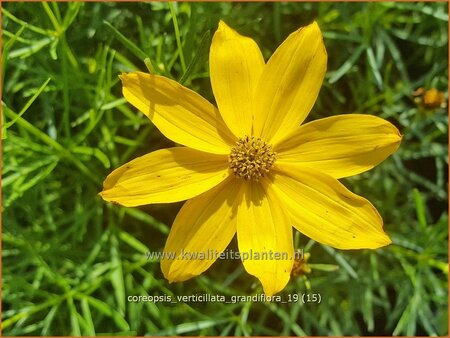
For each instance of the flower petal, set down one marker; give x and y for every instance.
(204, 226)
(165, 176)
(264, 229)
(236, 64)
(340, 146)
(179, 113)
(290, 84)
(324, 210)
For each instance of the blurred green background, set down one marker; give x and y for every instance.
(71, 260)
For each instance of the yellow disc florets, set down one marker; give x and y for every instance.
(251, 158)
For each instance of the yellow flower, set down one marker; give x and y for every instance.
(301, 266)
(430, 99)
(248, 167)
(433, 98)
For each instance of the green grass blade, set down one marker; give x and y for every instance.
(126, 42)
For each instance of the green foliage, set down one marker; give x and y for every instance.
(71, 260)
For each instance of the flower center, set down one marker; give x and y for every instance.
(251, 158)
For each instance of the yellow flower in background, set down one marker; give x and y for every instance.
(430, 99)
(249, 167)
